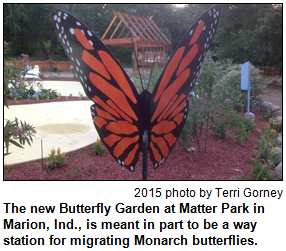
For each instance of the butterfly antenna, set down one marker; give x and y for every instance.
(136, 57)
(155, 55)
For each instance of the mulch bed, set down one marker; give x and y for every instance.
(60, 79)
(222, 160)
(31, 101)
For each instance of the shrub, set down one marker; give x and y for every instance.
(98, 148)
(56, 160)
(257, 85)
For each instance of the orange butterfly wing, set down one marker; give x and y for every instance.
(116, 110)
(169, 107)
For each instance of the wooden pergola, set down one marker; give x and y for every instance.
(145, 35)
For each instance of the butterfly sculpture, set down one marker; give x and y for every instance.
(121, 116)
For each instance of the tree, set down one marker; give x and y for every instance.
(250, 32)
(29, 26)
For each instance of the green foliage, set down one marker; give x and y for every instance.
(250, 32)
(81, 96)
(98, 148)
(56, 160)
(266, 113)
(266, 143)
(49, 94)
(232, 81)
(260, 171)
(17, 133)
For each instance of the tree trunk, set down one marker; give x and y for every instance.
(44, 51)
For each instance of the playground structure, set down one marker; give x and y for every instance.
(145, 35)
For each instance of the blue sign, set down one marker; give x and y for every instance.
(245, 76)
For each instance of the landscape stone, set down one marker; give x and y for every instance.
(267, 104)
(277, 113)
(275, 108)
(279, 139)
(250, 116)
(278, 171)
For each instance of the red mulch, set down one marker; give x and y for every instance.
(60, 79)
(222, 160)
(31, 101)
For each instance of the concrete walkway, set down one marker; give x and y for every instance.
(67, 125)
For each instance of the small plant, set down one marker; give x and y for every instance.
(70, 94)
(56, 160)
(50, 94)
(17, 133)
(81, 96)
(219, 129)
(265, 144)
(260, 171)
(98, 148)
(266, 114)
(239, 135)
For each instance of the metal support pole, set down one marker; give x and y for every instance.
(248, 99)
(145, 152)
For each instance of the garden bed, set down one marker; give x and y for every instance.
(222, 160)
(39, 101)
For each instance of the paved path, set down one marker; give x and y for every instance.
(67, 125)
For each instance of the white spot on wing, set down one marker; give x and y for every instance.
(59, 20)
(78, 23)
(72, 31)
(89, 33)
(55, 17)
(58, 27)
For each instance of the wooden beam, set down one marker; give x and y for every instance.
(146, 27)
(139, 25)
(116, 29)
(108, 27)
(117, 41)
(135, 27)
(121, 31)
(133, 33)
(135, 66)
